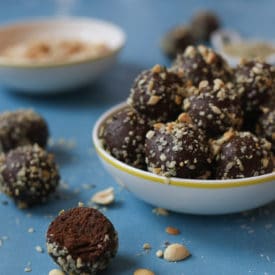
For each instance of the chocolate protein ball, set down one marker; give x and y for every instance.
(176, 40)
(201, 63)
(28, 175)
(240, 155)
(203, 24)
(254, 83)
(123, 136)
(266, 126)
(82, 241)
(214, 107)
(157, 94)
(177, 149)
(22, 127)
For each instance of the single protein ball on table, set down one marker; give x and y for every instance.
(254, 83)
(203, 24)
(241, 155)
(266, 126)
(28, 174)
(157, 94)
(201, 63)
(214, 108)
(178, 149)
(123, 136)
(22, 127)
(176, 40)
(82, 241)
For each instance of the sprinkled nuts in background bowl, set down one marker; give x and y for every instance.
(50, 55)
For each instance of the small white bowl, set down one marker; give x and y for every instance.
(224, 36)
(192, 196)
(55, 77)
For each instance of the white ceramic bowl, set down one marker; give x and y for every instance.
(225, 36)
(58, 76)
(186, 195)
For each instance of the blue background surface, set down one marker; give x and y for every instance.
(234, 244)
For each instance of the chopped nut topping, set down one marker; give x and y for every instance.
(172, 230)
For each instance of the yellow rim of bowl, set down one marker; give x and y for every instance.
(162, 180)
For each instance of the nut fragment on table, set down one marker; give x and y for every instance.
(175, 252)
(104, 197)
(56, 272)
(172, 230)
(143, 271)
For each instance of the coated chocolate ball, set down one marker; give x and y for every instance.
(266, 126)
(177, 149)
(123, 137)
(82, 241)
(28, 174)
(201, 63)
(241, 155)
(157, 94)
(22, 127)
(176, 40)
(254, 83)
(214, 107)
(203, 24)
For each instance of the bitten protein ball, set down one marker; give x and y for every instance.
(201, 63)
(82, 241)
(203, 24)
(157, 94)
(22, 127)
(254, 83)
(28, 175)
(214, 108)
(266, 126)
(176, 40)
(123, 135)
(177, 149)
(240, 155)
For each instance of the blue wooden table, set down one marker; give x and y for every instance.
(234, 244)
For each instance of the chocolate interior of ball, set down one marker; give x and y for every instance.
(82, 235)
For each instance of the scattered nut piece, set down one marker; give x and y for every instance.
(146, 246)
(104, 197)
(27, 269)
(31, 230)
(172, 230)
(56, 272)
(39, 249)
(143, 271)
(160, 211)
(80, 204)
(153, 100)
(175, 252)
(159, 253)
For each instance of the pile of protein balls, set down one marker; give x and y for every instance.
(80, 240)
(198, 119)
